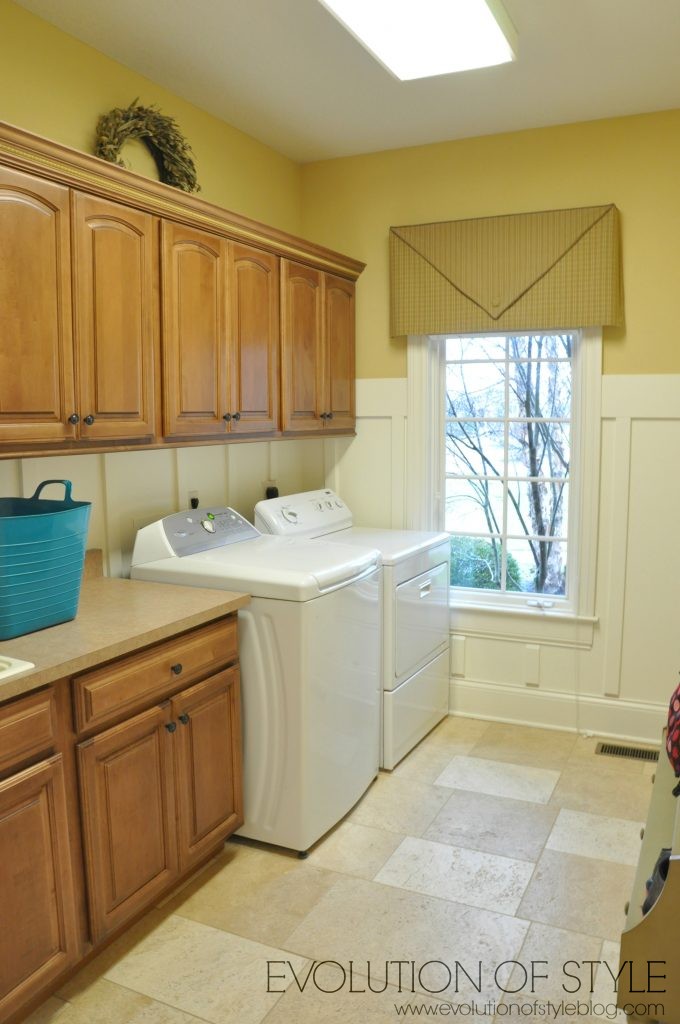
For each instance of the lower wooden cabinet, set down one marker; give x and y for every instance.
(158, 793)
(39, 932)
(207, 764)
(128, 810)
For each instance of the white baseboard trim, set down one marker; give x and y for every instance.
(604, 716)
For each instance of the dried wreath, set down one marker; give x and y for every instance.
(160, 134)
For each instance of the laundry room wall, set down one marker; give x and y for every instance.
(618, 679)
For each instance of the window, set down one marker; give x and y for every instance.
(503, 451)
(508, 420)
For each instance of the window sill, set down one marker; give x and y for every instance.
(523, 625)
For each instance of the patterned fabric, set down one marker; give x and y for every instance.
(673, 734)
(555, 269)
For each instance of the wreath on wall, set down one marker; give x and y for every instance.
(170, 150)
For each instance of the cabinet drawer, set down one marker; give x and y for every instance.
(131, 683)
(27, 728)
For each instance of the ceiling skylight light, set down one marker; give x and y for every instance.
(424, 38)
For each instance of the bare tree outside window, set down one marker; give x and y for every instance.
(508, 431)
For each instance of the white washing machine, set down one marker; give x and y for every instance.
(310, 663)
(416, 571)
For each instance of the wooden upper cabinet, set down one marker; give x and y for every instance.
(253, 340)
(116, 318)
(317, 350)
(302, 388)
(39, 937)
(339, 376)
(36, 343)
(195, 371)
(208, 764)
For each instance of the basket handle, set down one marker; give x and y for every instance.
(67, 488)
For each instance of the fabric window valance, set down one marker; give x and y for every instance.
(549, 270)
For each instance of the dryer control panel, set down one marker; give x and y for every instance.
(310, 514)
(204, 529)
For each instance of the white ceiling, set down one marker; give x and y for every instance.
(287, 73)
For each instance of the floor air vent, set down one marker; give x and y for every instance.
(618, 750)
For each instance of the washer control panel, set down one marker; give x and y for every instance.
(204, 529)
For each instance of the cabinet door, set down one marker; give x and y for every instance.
(38, 937)
(195, 372)
(339, 373)
(254, 340)
(116, 318)
(128, 808)
(301, 348)
(36, 355)
(208, 765)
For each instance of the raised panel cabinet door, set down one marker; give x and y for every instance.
(116, 318)
(39, 933)
(339, 372)
(194, 342)
(301, 348)
(254, 340)
(208, 764)
(128, 811)
(36, 340)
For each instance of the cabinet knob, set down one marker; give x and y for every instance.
(323, 416)
(329, 415)
(89, 419)
(237, 416)
(74, 418)
(184, 719)
(176, 668)
(226, 417)
(171, 726)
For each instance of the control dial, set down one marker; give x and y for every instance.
(290, 515)
(208, 525)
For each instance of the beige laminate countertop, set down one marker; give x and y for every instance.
(114, 617)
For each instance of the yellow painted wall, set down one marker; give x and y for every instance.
(56, 86)
(349, 204)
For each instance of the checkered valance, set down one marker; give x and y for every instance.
(554, 269)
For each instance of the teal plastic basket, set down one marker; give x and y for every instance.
(42, 553)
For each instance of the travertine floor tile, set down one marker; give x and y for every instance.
(429, 759)
(477, 821)
(578, 893)
(517, 744)
(399, 804)
(517, 782)
(559, 954)
(107, 1003)
(612, 794)
(465, 876)
(456, 729)
(592, 835)
(203, 971)
(344, 1007)
(259, 894)
(353, 849)
(371, 923)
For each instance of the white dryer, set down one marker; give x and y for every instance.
(416, 571)
(310, 663)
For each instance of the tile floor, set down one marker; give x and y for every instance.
(489, 843)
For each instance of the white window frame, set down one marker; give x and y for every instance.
(571, 618)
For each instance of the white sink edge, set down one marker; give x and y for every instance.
(10, 668)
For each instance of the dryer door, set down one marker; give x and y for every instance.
(421, 619)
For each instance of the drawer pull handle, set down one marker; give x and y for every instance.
(184, 719)
(177, 669)
(425, 588)
(171, 726)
